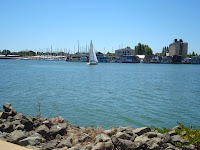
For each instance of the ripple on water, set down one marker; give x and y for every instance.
(121, 94)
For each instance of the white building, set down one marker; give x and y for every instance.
(124, 52)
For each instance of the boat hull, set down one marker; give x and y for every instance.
(93, 63)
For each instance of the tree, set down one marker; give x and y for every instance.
(193, 53)
(6, 52)
(142, 49)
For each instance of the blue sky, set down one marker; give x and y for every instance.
(38, 24)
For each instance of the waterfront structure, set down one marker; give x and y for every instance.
(130, 59)
(156, 59)
(187, 60)
(195, 60)
(177, 59)
(141, 57)
(147, 59)
(178, 48)
(166, 60)
(103, 58)
(124, 52)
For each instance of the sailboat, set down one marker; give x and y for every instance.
(92, 56)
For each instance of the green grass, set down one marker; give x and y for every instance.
(192, 134)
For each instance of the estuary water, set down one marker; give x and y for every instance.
(109, 94)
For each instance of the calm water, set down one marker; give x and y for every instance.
(108, 94)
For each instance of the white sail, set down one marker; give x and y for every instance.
(92, 58)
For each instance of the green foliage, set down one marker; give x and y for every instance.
(142, 49)
(6, 52)
(109, 54)
(164, 51)
(163, 130)
(192, 134)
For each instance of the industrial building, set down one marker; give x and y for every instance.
(178, 48)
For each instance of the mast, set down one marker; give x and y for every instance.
(78, 46)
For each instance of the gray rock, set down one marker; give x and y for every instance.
(142, 139)
(1, 134)
(140, 131)
(7, 107)
(16, 122)
(154, 146)
(125, 129)
(176, 128)
(43, 130)
(84, 137)
(183, 133)
(4, 115)
(19, 127)
(123, 135)
(49, 145)
(151, 134)
(166, 137)
(110, 132)
(172, 133)
(28, 123)
(98, 146)
(32, 134)
(102, 138)
(65, 143)
(177, 138)
(154, 143)
(8, 127)
(89, 146)
(31, 141)
(58, 129)
(108, 145)
(18, 116)
(2, 126)
(16, 136)
(188, 147)
(129, 145)
(171, 147)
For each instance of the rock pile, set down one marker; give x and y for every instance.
(47, 134)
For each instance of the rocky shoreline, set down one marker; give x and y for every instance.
(39, 133)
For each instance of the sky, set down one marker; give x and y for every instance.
(111, 24)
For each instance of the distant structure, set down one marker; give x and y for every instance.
(178, 48)
(124, 52)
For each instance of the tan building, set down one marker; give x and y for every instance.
(124, 52)
(178, 48)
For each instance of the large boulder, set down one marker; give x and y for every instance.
(42, 130)
(8, 127)
(4, 115)
(16, 136)
(140, 131)
(102, 138)
(65, 143)
(31, 141)
(49, 145)
(28, 123)
(123, 135)
(8, 108)
(58, 129)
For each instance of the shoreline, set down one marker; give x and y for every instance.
(45, 134)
